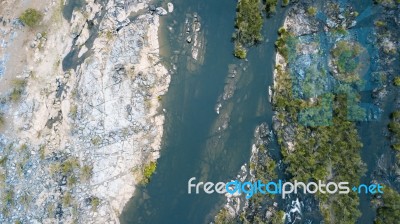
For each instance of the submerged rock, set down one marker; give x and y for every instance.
(152, 8)
(161, 11)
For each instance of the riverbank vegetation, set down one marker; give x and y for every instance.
(223, 217)
(148, 171)
(282, 43)
(270, 6)
(263, 168)
(388, 204)
(394, 128)
(315, 153)
(248, 25)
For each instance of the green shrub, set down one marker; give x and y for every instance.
(312, 11)
(380, 23)
(42, 151)
(73, 111)
(8, 198)
(19, 86)
(396, 147)
(3, 161)
(25, 199)
(86, 172)
(240, 52)
(223, 217)
(2, 121)
(67, 199)
(396, 114)
(19, 83)
(109, 35)
(394, 127)
(396, 81)
(249, 22)
(270, 6)
(389, 208)
(308, 160)
(95, 202)
(282, 43)
(16, 94)
(23, 148)
(71, 181)
(278, 217)
(339, 30)
(69, 165)
(96, 140)
(285, 2)
(148, 171)
(31, 17)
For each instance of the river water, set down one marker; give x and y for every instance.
(191, 147)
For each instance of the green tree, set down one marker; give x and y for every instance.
(285, 2)
(248, 25)
(312, 11)
(148, 171)
(270, 6)
(248, 22)
(388, 207)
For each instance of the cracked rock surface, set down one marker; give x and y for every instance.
(74, 145)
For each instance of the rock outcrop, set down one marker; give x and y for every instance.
(77, 141)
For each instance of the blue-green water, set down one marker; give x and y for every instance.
(70, 6)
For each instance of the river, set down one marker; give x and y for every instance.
(190, 147)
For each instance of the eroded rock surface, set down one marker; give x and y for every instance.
(76, 142)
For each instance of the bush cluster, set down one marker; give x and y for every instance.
(248, 25)
(31, 17)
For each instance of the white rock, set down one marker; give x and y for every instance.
(161, 11)
(170, 7)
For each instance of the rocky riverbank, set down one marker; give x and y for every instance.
(321, 70)
(87, 119)
(259, 208)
